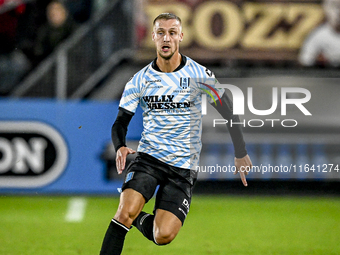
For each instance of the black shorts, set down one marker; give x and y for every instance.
(145, 173)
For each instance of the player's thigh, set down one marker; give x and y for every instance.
(131, 203)
(131, 200)
(175, 198)
(171, 208)
(138, 188)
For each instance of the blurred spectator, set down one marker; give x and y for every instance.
(28, 24)
(59, 26)
(13, 63)
(80, 10)
(322, 47)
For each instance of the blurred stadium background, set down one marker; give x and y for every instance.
(57, 111)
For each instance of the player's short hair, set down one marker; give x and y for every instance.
(167, 16)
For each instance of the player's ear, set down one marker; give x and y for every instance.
(153, 36)
(181, 37)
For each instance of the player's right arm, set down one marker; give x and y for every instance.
(118, 134)
(127, 108)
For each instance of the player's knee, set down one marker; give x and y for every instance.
(163, 237)
(125, 215)
(123, 218)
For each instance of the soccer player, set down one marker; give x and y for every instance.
(169, 91)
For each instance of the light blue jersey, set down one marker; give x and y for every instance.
(171, 104)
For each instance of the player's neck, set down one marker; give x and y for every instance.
(169, 65)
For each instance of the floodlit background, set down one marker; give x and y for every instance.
(63, 67)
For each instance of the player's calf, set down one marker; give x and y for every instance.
(114, 239)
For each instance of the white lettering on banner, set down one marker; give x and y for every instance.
(24, 162)
(20, 155)
(30, 155)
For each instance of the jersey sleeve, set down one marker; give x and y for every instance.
(220, 91)
(131, 96)
(210, 86)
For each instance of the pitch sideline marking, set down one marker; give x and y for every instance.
(76, 209)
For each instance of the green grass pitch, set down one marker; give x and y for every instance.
(215, 225)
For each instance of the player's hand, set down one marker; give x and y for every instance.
(243, 166)
(121, 158)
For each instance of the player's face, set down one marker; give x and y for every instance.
(167, 34)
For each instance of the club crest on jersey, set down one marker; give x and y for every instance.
(129, 176)
(184, 82)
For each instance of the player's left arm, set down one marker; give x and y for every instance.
(242, 160)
